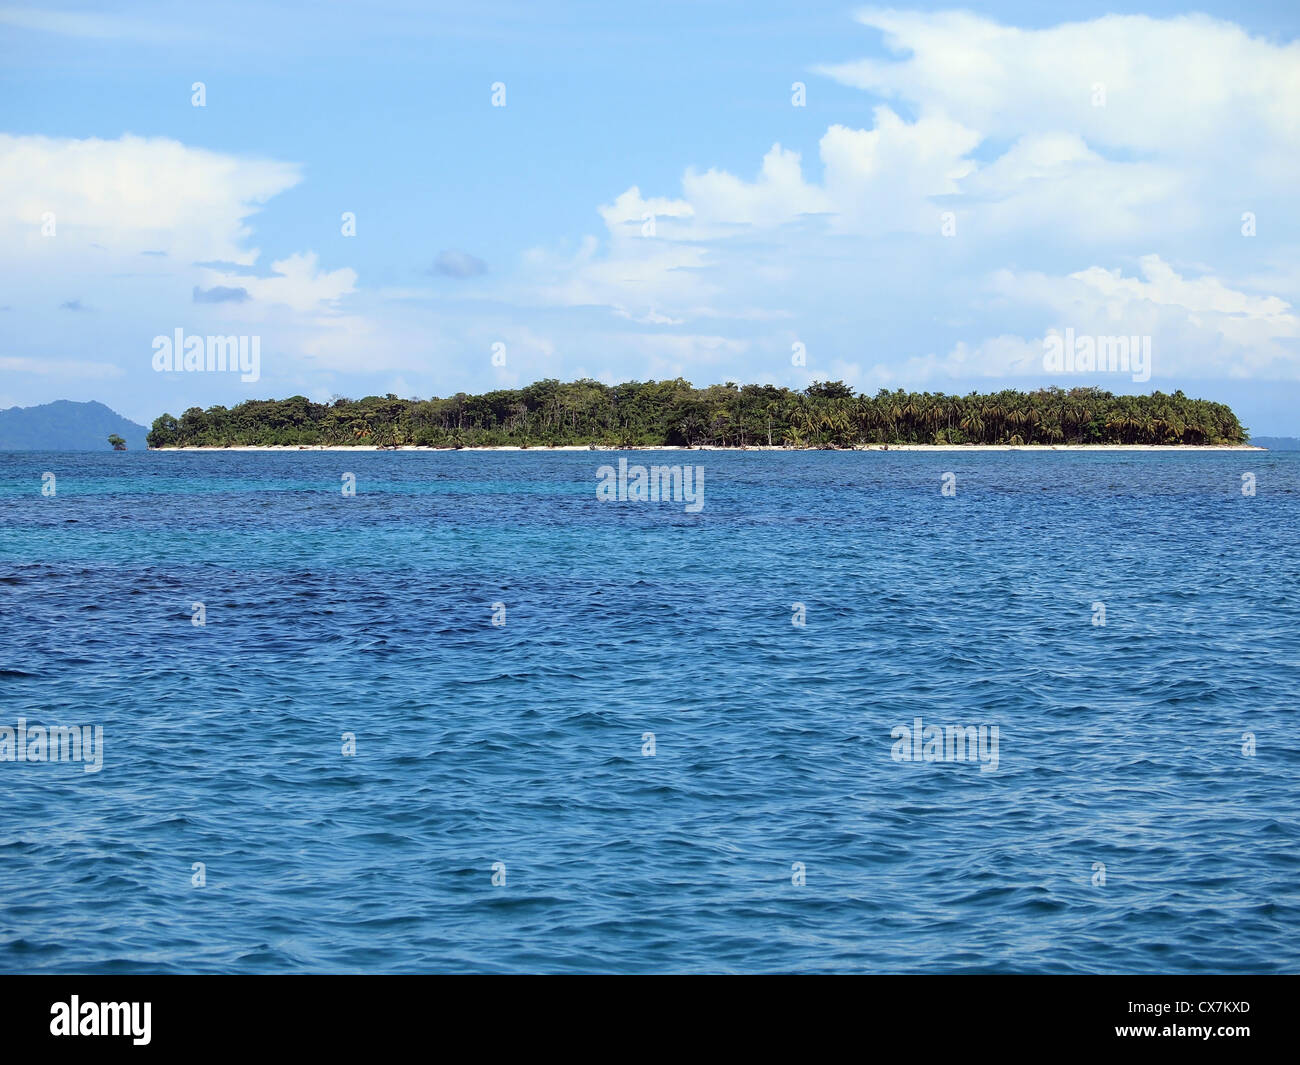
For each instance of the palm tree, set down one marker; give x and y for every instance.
(994, 414)
(973, 426)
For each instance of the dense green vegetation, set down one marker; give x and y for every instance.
(827, 414)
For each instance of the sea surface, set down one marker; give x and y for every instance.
(1127, 826)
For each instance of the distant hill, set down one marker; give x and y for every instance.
(1277, 443)
(66, 426)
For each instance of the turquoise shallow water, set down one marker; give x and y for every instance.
(522, 744)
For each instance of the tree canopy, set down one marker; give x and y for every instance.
(650, 413)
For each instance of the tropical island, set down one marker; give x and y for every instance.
(827, 414)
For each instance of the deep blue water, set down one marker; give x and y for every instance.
(1119, 744)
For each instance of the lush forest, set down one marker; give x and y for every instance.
(826, 415)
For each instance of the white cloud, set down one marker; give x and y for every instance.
(1200, 327)
(1189, 87)
(295, 283)
(630, 211)
(777, 196)
(133, 195)
(887, 178)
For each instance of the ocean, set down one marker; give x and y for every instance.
(849, 715)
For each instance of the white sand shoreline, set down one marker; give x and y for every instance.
(764, 447)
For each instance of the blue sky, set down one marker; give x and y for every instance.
(1117, 212)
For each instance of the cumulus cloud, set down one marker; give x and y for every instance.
(132, 195)
(1200, 326)
(1174, 87)
(778, 195)
(631, 212)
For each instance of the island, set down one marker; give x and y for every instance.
(650, 414)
